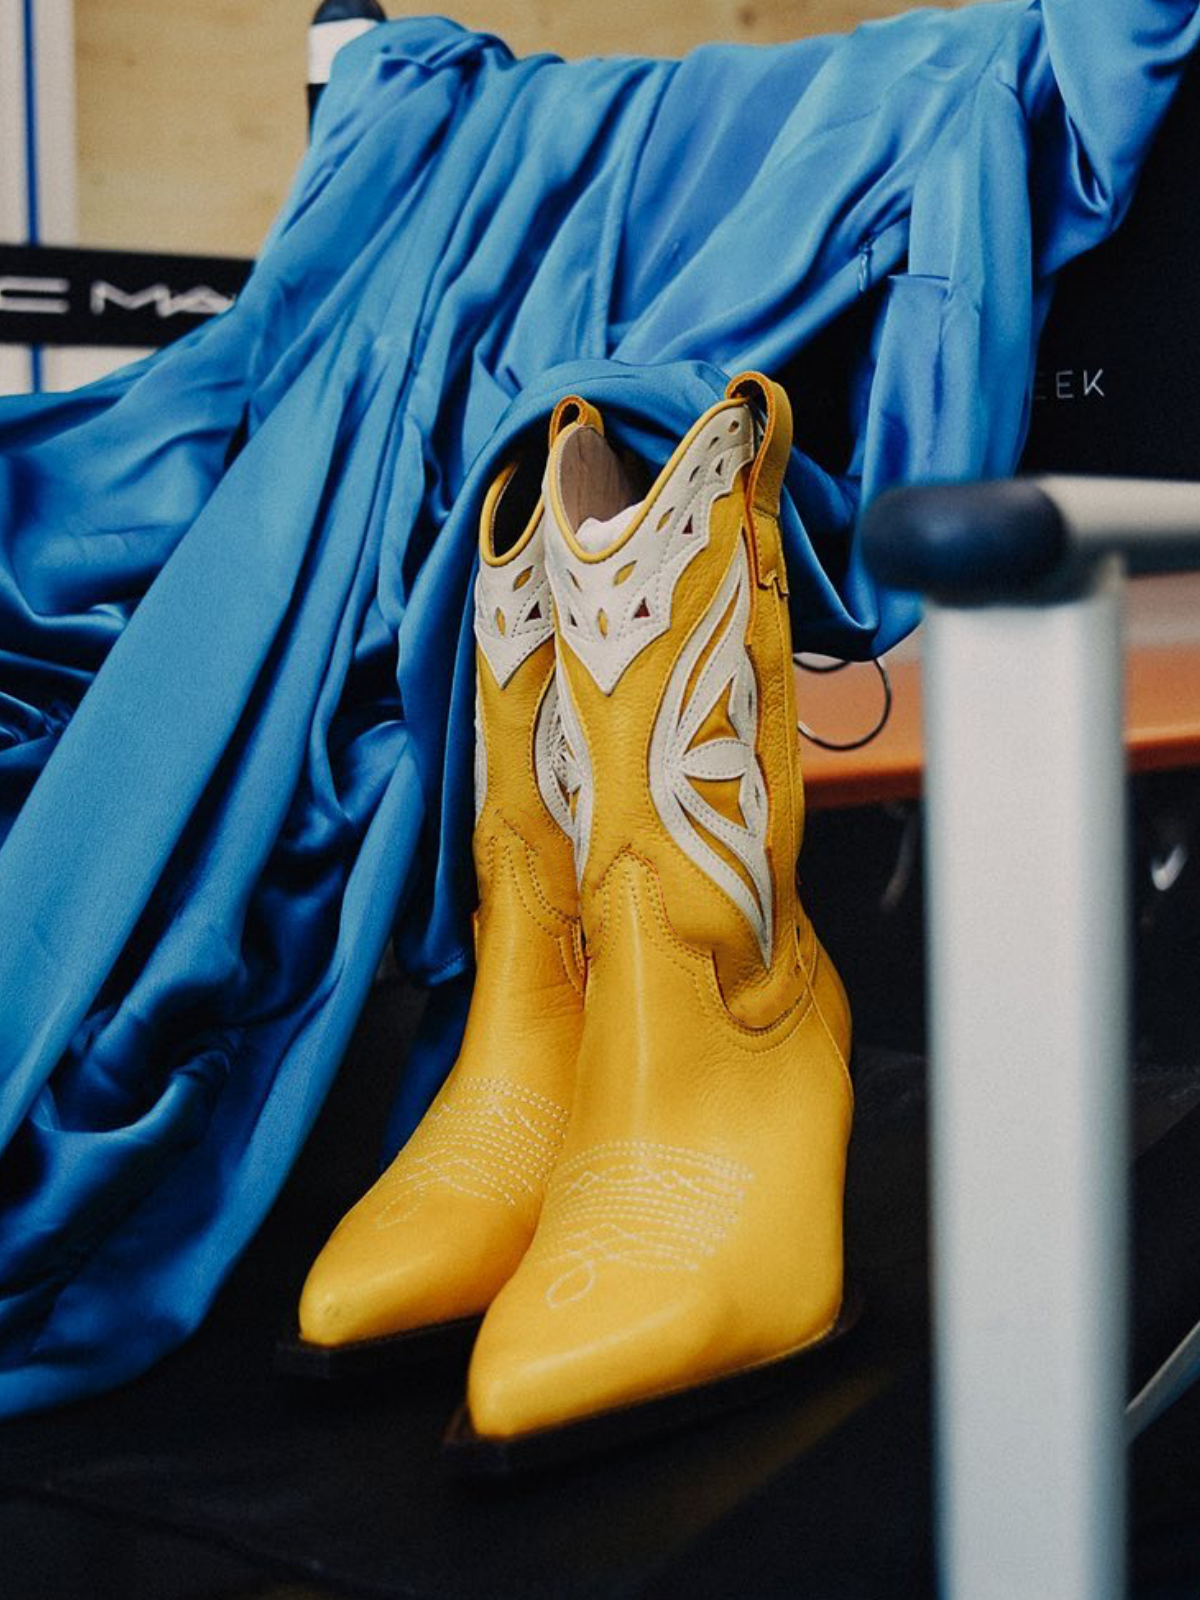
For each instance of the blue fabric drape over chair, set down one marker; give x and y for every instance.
(235, 696)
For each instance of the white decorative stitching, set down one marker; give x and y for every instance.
(676, 763)
(492, 1140)
(610, 610)
(640, 1204)
(512, 607)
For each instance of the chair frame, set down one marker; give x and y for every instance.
(1026, 862)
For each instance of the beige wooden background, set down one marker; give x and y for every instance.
(191, 117)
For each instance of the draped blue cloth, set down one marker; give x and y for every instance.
(235, 686)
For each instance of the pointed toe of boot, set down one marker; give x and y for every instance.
(334, 1310)
(351, 1295)
(372, 1281)
(544, 1362)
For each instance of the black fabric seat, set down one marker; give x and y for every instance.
(824, 1492)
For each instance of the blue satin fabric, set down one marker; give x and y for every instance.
(235, 685)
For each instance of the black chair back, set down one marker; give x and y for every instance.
(1118, 380)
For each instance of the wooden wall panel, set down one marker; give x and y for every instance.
(191, 117)
(640, 27)
(191, 120)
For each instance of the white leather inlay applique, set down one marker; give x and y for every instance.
(594, 535)
(480, 754)
(577, 772)
(638, 1204)
(552, 763)
(610, 610)
(676, 761)
(512, 607)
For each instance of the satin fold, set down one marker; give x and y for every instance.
(235, 654)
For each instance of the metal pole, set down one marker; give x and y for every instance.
(15, 364)
(1028, 931)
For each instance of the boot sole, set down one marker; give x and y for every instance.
(297, 1358)
(471, 1455)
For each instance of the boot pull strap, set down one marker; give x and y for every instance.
(571, 410)
(766, 475)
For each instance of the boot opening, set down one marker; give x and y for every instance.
(518, 504)
(597, 488)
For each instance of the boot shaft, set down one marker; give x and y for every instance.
(521, 794)
(676, 690)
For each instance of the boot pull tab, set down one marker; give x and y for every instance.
(766, 475)
(571, 410)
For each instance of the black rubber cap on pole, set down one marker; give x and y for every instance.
(965, 541)
(348, 11)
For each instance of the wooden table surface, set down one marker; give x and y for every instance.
(1162, 715)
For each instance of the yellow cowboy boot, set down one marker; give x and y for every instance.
(691, 1233)
(426, 1249)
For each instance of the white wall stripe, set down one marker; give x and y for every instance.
(15, 365)
(14, 219)
(54, 65)
(54, 61)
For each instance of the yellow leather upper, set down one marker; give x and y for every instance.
(693, 1223)
(620, 726)
(449, 1220)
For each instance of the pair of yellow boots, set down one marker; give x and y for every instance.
(635, 1169)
